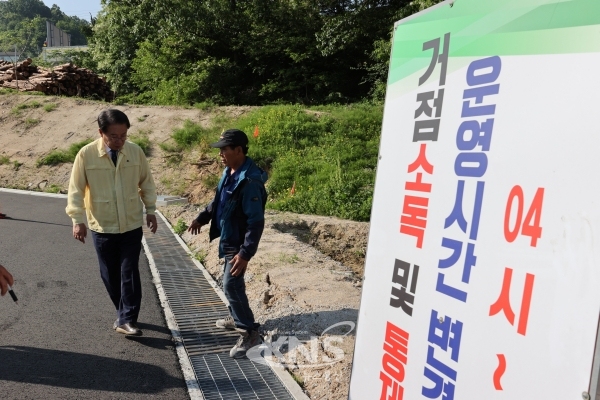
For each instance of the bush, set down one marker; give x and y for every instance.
(56, 157)
(4, 160)
(180, 227)
(327, 154)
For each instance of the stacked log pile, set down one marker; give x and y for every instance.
(65, 80)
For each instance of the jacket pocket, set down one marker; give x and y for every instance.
(135, 214)
(103, 214)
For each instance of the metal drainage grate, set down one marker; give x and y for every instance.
(196, 306)
(224, 378)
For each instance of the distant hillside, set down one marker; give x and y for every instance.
(23, 23)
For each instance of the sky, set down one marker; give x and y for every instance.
(78, 8)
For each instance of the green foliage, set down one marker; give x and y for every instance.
(16, 165)
(180, 227)
(50, 107)
(79, 57)
(31, 122)
(191, 134)
(253, 52)
(328, 154)
(142, 140)
(200, 255)
(52, 189)
(211, 180)
(56, 157)
(4, 160)
(23, 23)
(17, 110)
(288, 258)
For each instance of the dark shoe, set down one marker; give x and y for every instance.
(129, 329)
(116, 324)
(245, 343)
(226, 323)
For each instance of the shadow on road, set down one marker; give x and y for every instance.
(81, 371)
(35, 222)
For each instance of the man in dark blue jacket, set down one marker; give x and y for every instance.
(237, 216)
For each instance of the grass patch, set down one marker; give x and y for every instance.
(211, 181)
(200, 255)
(50, 107)
(4, 160)
(288, 258)
(31, 122)
(328, 155)
(180, 227)
(205, 105)
(8, 91)
(52, 189)
(17, 110)
(142, 140)
(16, 165)
(191, 134)
(298, 379)
(56, 157)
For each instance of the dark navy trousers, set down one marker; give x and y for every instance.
(118, 256)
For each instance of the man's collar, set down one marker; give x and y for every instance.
(104, 149)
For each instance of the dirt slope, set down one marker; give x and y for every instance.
(307, 272)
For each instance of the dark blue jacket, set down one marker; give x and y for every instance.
(243, 216)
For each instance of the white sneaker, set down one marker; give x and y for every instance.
(245, 343)
(226, 323)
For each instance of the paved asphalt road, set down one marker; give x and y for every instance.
(58, 343)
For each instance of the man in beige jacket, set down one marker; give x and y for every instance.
(109, 177)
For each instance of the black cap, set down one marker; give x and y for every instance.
(231, 137)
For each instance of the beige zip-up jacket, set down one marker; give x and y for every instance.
(109, 195)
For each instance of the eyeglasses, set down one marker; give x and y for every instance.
(115, 138)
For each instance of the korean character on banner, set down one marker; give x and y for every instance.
(426, 108)
(427, 129)
(474, 133)
(394, 359)
(449, 336)
(470, 260)
(456, 247)
(414, 212)
(457, 211)
(437, 58)
(404, 297)
(390, 389)
(423, 163)
(414, 217)
(503, 302)
(442, 376)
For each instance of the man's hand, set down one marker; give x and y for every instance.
(194, 228)
(151, 222)
(80, 232)
(5, 280)
(238, 265)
